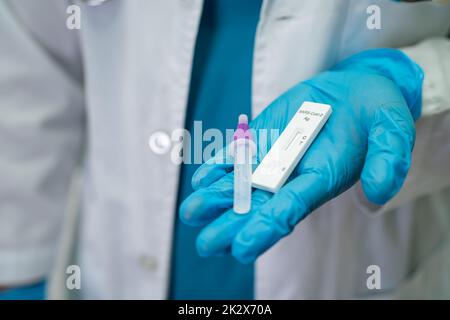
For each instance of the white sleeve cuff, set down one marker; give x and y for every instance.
(433, 55)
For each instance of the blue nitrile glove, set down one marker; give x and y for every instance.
(27, 292)
(375, 96)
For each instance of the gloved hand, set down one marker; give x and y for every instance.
(34, 291)
(375, 96)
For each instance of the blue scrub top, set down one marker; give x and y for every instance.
(220, 91)
(26, 292)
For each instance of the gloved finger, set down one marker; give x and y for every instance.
(390, 143)
(216, 238)
(212, 170)
(204, 205)
(278, 216)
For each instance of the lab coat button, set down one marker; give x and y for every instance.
(159, 142)
(148, 262)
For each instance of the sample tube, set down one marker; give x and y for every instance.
(242, 149)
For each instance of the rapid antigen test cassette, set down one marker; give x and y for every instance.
(290, 146)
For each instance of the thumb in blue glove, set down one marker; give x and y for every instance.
(376, 96)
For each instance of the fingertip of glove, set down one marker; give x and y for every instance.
(207, 246)
(242, 255)
(241, 248)
(197, 177)
(381, 184)
(202, 247)
(206, 175)
(187, 210)
(375, 196)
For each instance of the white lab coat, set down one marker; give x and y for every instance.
(94, 96)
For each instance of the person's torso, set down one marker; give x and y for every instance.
(137, 63)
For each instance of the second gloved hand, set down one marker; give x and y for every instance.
(375, 96)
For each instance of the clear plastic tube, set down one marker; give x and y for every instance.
(242, 176)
